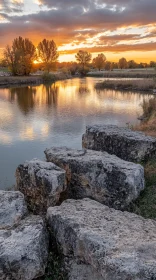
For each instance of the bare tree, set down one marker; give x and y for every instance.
(99, 61)
(83, 57)
(20, 56)
(47, 52)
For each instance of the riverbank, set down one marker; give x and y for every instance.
(8, 81)
(51, 223)
(125, 73)
(148, 119)
(133, 85)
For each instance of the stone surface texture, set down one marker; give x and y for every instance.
(41, 183)
(98, 175)
(12, 208)
(123, 142)
(111, 244)
(24, 250)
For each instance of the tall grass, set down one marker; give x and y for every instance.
(148, 123)
(140, 85)
(149, 107)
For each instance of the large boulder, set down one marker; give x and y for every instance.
(98, 175)
(12, 208)
(122, 142)
(24, 250)
(104, 243)
(41, 183)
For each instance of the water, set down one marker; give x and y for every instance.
(34, 118)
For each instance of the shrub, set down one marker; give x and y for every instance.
(47, 77)
(149, 107)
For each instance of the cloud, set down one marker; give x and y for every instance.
(9, 6)
(83, 23)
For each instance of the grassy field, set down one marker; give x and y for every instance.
(141, 85)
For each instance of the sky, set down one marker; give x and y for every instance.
(117, 28)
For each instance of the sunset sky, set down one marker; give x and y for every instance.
(115, 27)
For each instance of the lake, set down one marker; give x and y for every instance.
(33, 118)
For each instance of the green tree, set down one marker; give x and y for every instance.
(83, 57)
(47, 52)
(122, 63)
(99, 61)
(20, 56)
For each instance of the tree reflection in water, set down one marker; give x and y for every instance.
(29, 97)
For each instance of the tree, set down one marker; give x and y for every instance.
(152, 64)
(83, 57)
(122, 63)
(108, 65)
(99, 61)
(47, 52)
(132, 64)
(20, 56)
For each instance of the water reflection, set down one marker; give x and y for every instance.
(29, 97)
(35, 117)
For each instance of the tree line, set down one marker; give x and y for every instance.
(20, 58)
(21, 55)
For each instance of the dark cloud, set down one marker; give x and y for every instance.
(120, 48)
(8, 6)
(73, 20)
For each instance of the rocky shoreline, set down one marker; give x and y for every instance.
(77, 200)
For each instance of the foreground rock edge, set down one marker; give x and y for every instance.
(98, 175)
(116, 245)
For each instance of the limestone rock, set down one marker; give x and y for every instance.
(24, 250)
(115, 245)
(98, 175)
(41, 183)
(12, 208)
(122, 142)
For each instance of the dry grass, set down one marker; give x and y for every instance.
(126, 73)
(140, 85)
(34, 79)
(148, 125)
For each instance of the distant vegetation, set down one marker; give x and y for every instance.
(23, 57)
(142, 84)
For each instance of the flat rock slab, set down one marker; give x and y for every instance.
(116, 245)
(41, 183)
(24, 250)
(98, 175)
(12, 208)
(123, 142)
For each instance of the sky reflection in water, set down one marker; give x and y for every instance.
(33, 118)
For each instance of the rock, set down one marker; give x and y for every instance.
(122, 142)
(112, 244)
(24, 250)
(12, 208)
(78, 270)
(41, 183)
(98, 175)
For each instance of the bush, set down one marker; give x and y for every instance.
(47, 77)
(83, 70)
(149, 107)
